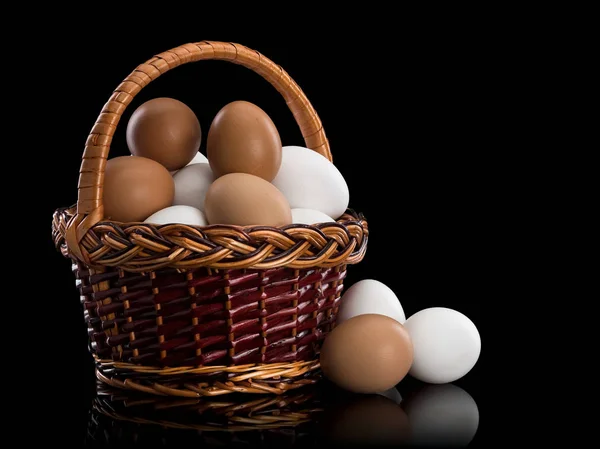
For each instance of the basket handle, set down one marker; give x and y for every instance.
(91, 174)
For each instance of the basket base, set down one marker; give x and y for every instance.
(275, 378)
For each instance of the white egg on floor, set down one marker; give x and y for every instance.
(191, 184)
(309, 216)
(446, 345)
(310, 181)
(370, 296)
(442, 416)
(178, 214)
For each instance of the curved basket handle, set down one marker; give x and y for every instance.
(91, 174)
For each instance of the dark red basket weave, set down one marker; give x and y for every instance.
(190, 311)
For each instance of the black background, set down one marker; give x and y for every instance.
(399, 117)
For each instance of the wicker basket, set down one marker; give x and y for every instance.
(203, 311)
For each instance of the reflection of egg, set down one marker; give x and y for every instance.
(392, 394)
(243, 139)
(370, 296)
(178, 214)
(367, 354)
(446, 344)
(310, 181)
(370, 420)
(191, 184)
(243, 199)
(309, 216)
(442, 416)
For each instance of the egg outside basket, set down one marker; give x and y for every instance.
(202, 311)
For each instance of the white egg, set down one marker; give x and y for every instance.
(309, 216)
(446, 345)
(309, 181)
(198, 159)
(191, 184)
(178, 214)
(442, 416)
(370, 296)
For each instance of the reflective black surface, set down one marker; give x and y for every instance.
(411, 415)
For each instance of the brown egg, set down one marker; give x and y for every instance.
(243, 139)
(243, 199)
(135, 187)
(166, 131)
(367, 354)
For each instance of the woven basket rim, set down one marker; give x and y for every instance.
(349, 216)
(144, 247)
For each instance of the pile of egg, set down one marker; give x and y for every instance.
(373, 346)
(250, 179)
(247, 179)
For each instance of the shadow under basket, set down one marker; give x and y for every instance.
(195, 311)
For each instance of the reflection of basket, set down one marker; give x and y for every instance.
(126, 416)
(197, 311)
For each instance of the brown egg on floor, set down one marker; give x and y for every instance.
(367, 354)
(166, 131)
(135, 188)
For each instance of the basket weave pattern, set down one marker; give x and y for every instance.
(188, 310)
(209, 317)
